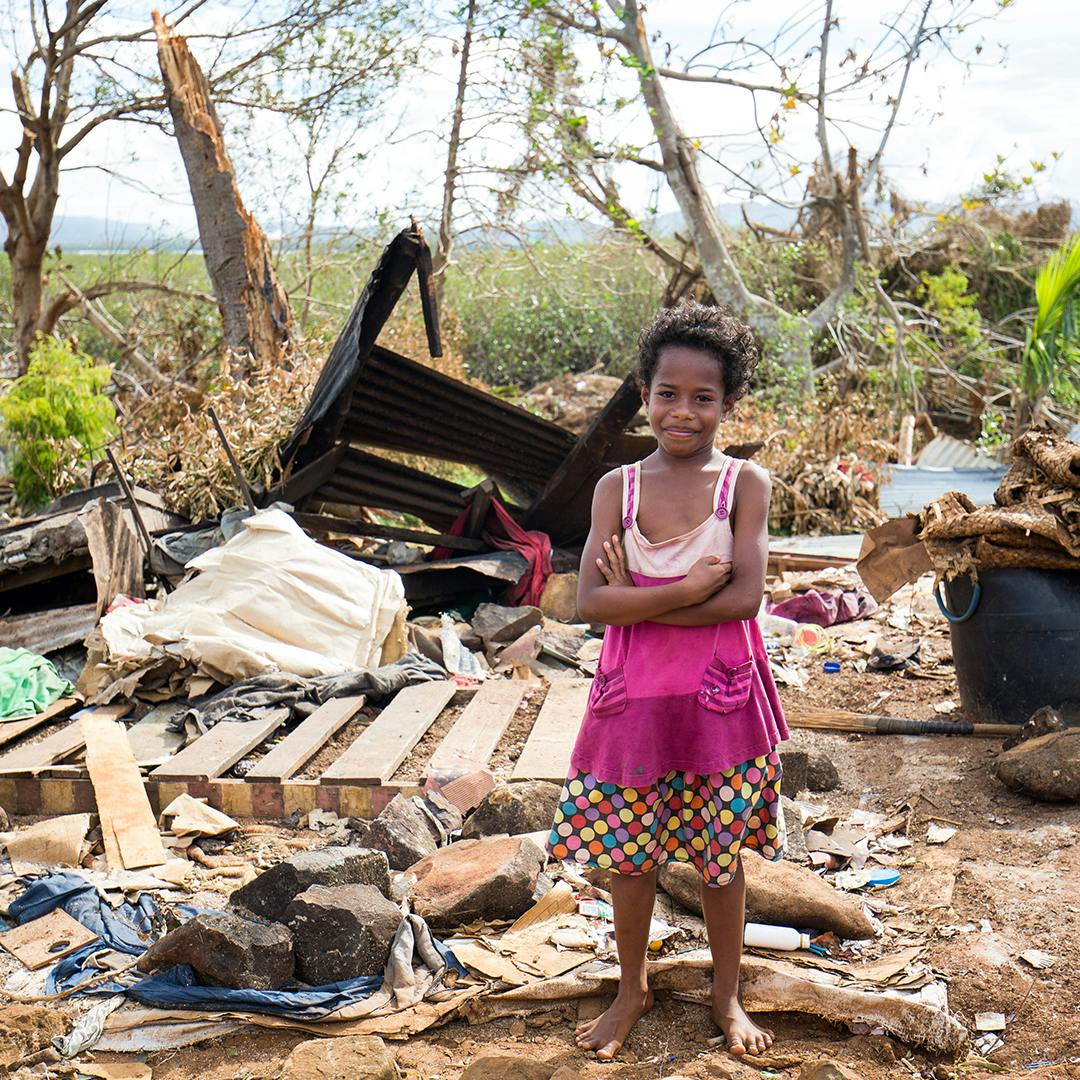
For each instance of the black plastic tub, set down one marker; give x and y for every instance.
(1016, 643)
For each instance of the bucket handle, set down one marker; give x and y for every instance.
(976, 596)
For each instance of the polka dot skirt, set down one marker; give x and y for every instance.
(700, 819)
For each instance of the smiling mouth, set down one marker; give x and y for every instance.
(679, 433)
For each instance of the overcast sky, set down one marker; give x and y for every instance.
(955, 121)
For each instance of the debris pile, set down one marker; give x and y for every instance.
(1035, 524)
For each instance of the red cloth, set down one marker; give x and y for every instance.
(503, 533)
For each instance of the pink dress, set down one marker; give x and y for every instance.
(696, 699)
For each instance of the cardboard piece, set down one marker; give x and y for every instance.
(43, 941)
(892, 557)
(188, 816)
(54, 842)
(129, 829)
(116, 1070)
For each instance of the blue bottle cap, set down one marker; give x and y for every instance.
(831, 667)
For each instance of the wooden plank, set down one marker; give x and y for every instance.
(10, 730)
(219, 749)
(300, 745)
(384, 744)
(469, 744)
(128, 826)
(37, 756)
(152, 741)
(546, 754)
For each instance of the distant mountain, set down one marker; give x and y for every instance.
(104, 234)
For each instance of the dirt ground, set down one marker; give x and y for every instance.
(1005, 883)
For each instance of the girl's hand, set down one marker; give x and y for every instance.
(707, 576)
(614, 570)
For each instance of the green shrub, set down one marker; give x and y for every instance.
(529, 316)
(54, 418)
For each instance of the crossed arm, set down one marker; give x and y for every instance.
(712, 592)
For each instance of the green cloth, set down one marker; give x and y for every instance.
(29, 683)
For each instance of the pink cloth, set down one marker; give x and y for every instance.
(697, 699)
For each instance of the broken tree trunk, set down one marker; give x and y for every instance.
(254, 308)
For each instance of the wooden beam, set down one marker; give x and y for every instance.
(546, 754)
(469, 744)
(219, 749)
(305, 741)
(35, 757)
(129, 829)
(375, 755)
(10, 730)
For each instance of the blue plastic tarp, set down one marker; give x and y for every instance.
(129, 929)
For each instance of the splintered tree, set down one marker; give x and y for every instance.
(255, 311)
(801, 73)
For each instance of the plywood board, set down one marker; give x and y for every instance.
(470, 743)
(546, 754)
(152, 741)
(302, 744)
(34, 757)
(385, 743)
(219, 749)
(129, 829)
(43, 941)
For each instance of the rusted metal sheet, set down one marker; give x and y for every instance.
(370, 396)
(46, 631)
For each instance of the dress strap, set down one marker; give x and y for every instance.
(725, 488)
(631, 489)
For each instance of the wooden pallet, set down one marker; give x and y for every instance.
(363, 778)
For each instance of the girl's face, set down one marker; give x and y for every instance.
(686, 400)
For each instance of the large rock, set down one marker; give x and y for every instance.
(559, 598)
(827, 1070)
(793, 764)
(779, 894)
(274, 889)
(402, 832)
(821, 774)
(477, 879)
(497, 624)
(1046, 768)
(27, 1029)
(350, 1057)
(524, 807)
(227, 950)
(341, 932)
(505, 1067)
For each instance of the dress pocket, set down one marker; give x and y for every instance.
(724, 688)
(608, 694)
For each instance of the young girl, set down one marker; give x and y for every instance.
(676, 757)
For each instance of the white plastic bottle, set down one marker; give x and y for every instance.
(761, 936)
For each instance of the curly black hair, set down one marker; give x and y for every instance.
(710, 329)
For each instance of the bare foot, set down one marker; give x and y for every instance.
(742, 1035)
(608, 1032)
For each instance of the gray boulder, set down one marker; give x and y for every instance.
(227, 950)
(794, 764)
(274, 889)
(523, 807)
(497, 624)
(402, 831)
(821, 774)
(341, 932)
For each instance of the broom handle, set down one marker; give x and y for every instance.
(838, 720)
